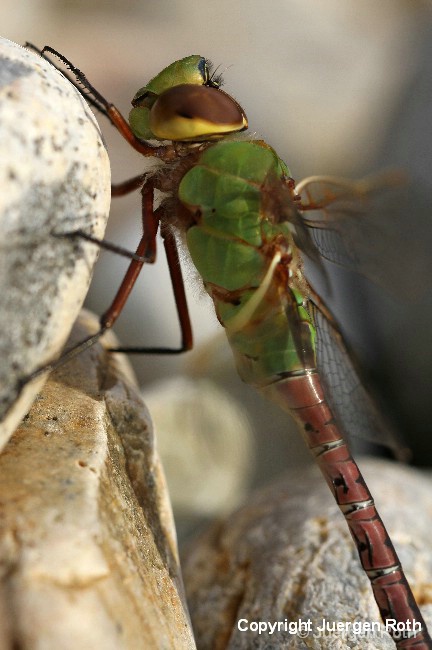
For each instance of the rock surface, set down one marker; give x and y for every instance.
(288, 556)
(87, 542)
(55, 178)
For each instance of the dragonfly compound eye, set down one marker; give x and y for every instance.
(196, 113)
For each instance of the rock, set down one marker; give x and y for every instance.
(87, 541)
(55, 178)
(203, 433)
(287, 556)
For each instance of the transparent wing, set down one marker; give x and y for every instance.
(355, 411)
(369, 227)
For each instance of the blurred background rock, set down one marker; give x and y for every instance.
(337, 87)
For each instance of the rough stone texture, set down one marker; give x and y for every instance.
(54, 177)
(288, 555)
(87, 542)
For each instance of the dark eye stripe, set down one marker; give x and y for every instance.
(198, 102)
(191, 112)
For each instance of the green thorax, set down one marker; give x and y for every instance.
(231, 246)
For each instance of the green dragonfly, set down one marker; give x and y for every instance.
(247, 226)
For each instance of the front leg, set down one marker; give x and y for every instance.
(98, 101)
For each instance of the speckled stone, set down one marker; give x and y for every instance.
(87, 542)
(55, 178)
(288, 556)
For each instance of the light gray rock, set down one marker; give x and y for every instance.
(87, 542)
(206, 445)
(54, 178)
(287, 556)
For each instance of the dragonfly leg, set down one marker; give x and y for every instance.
(98, 101)
(81, 83)
(145, 253)
(119, 189)
(178, 287)
(101, 243)
(130, 185)
(172, 256)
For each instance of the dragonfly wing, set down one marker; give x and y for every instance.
(366, 227)
(355, 411)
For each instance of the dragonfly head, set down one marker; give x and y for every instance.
(184, 103)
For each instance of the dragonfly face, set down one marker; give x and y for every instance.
(184, 103)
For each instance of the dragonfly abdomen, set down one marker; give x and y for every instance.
(303, 397)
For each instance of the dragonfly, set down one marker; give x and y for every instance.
(248, 226)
